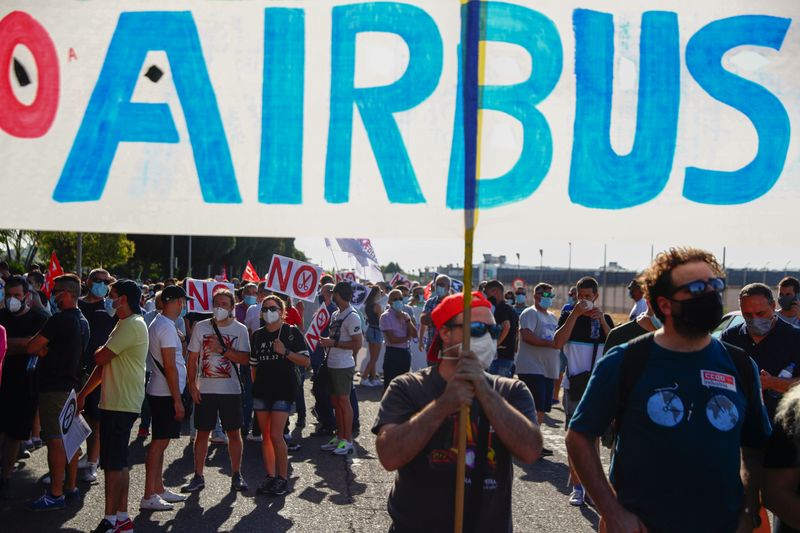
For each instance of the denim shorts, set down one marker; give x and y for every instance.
(272, 405)
(374, 335)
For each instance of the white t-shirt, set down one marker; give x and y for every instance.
(350, 327)
(638, 308)
(538, 359)
(216, 373)
(252, 318)
(163, 334)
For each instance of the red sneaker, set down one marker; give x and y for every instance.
(143, 432)
(124, 526)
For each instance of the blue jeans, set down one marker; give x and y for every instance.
(502, 367)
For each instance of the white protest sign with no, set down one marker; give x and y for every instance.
(293, 278)
(203, 294)
(74, 428)
(345, 275)
(319, 322)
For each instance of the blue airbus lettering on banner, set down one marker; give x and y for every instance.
(599, 177)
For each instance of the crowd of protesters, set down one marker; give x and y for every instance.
(704, 429)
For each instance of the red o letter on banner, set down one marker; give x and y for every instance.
(16, 118)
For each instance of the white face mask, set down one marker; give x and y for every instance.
(13, 305)
(484, 348)
(221, 314)
(589, 304)
(270, 317)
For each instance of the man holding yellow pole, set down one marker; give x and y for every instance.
(417, 428)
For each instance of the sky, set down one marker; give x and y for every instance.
(413, 254)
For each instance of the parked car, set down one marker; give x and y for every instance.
(734, 318)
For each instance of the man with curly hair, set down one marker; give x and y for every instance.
(688, 409)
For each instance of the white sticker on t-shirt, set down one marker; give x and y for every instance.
(718, 380)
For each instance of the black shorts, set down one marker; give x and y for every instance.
(18, 402)
(115, 434)
(162, 413)
(227, 406)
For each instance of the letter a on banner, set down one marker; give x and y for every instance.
(293, 278)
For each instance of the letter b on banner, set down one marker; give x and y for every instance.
(293, 278)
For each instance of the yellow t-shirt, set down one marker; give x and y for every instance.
(123, 377)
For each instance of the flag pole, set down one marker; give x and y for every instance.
(470, 37)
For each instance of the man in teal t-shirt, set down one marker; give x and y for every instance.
(687, 419)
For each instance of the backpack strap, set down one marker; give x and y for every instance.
(744, 367)
(634, 361)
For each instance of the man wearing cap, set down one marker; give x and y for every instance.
(120, 368)
(167, 380)
(639, 303)
(417, 428)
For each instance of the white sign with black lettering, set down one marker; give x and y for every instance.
(74, 429)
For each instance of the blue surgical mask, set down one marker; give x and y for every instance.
(441, 291)
(406, 299)
(250, 300)
(520, 298)
(108, 304)
(510, 301)
(397, 305)
(546, 302)
(183, 312)
(99, 289)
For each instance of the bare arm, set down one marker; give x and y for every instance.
(103, 356)
(171, 372)
(529, 337)
(752, 473)
(506, 325)
(774, 383)
(94, 380)
(586, 462)
(17, 345)
(565, 331)
(521, 436)
(781, 496)
(36, 345)
(191, 376)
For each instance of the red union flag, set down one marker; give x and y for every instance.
(53, 272)
(250, 273)
(293, 278)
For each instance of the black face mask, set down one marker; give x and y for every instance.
(698, 316)
(786, 302)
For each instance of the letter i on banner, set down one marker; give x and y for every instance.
(471, 13)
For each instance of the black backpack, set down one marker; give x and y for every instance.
(634, 362)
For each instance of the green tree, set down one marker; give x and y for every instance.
(107, 250)
(392, 267)
(20, 248)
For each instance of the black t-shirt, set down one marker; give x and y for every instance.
(503, 312)
(775, 352)
(782, 452)
(19, 326)
(622, 334)
(275, 373)
(582, 330)
(424, 489)
(100, 327)
(68, 334)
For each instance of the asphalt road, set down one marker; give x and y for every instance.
(329, 493)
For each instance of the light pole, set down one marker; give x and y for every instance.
(541, 264)
(786, 268)
(172, 256)
(764, 277)
(569, 266)
(519, 265)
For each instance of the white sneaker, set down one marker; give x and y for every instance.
(577, 497)
(172, 497)
(89, 473)
(331, 445)
(83, 462)
(377, 382)
(155, 503)
(344, 448)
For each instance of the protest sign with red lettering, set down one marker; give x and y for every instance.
(293, 278)
(203, 293)
(319, 322)
(345, 275)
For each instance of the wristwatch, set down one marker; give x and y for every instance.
(224, 350)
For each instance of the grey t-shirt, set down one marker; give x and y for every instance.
(423, 493)
(793, 320)
(538, 359)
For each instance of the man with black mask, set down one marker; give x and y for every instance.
(691, 422)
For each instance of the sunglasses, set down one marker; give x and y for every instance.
(98, 280)
(270, 308)
(479, 329)
(698, 286)
(546, 294)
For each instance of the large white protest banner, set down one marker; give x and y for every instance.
(323, 115)
(293, 278)
(202, 294)
(74, 429)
